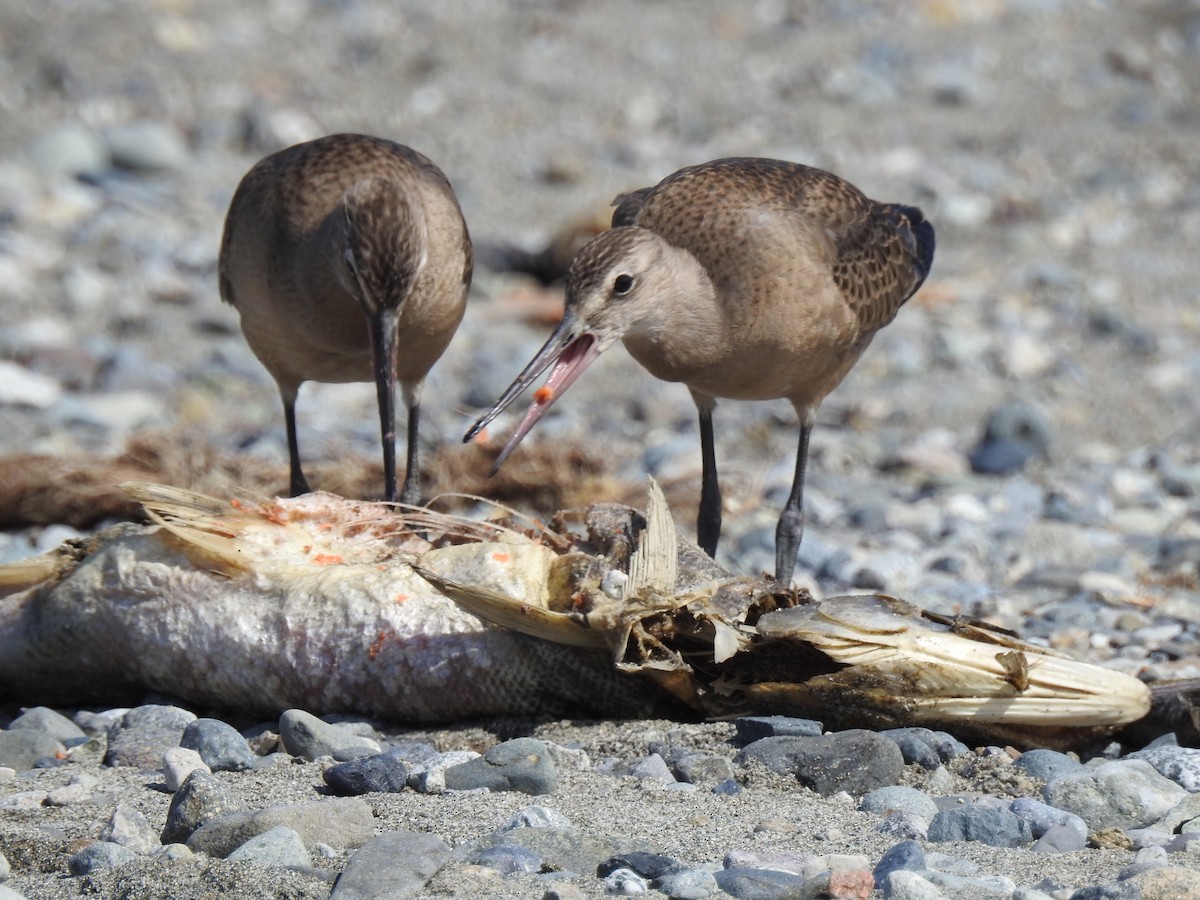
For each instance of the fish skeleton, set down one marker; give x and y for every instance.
(340, 606)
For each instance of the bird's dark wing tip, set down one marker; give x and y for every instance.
(920, 231)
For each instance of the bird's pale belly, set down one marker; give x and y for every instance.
(765, 373)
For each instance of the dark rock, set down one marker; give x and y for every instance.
(308, 737)
(200, 799)
(988, 825)
(906, 855)
(522, 764)
(754, 728)
(856, 761)
(926, 747)
(219, 744)
(648, 865)
(383, 772)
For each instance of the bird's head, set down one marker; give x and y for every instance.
(613, 287)
(383, 243)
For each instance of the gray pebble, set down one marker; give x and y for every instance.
(652, 768)
(688, 884)
(70, 150)
(1042, 817)
(141, 736)
(926, 747)
(394, 864)
(972, 885)
(1047, 764)
(100, 855)
(855, 761)
(1118, 794)
(128, 827)
(1060, 839)
(309, 737)
(753, 728)
(219, 744)
(522, 764)
(383, 772)
(759, 884)
(147, 146)
(48, 721)
(702, 768)
(172, 852)
(507, 860)
(22, 748)
(1013, 434)
(278, 846)
(898, 798)
(201, 798)
(343, 822)
(905, 885)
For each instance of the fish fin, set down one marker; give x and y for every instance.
(654, 564)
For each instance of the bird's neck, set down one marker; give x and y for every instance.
(680, 336)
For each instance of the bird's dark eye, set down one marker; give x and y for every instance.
(622, 284)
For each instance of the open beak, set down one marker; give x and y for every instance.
(570, 350)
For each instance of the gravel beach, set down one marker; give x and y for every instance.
(1019, 445)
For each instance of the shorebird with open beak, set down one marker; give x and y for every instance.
(746, 279)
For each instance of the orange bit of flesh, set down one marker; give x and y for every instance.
(543, 394)
(327, 559)
(501, 557)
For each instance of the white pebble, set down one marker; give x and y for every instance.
(178, 764)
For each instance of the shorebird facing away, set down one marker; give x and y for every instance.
(348, 259)
(751, 279)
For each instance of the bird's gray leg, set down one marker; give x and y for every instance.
(411, 492)
(383, 326)
(708, 522)
(790, 529)
(298, 483)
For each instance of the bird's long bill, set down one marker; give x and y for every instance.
(570, 353)
(384, 327)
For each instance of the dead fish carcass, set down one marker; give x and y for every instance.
(340, 606)
(258, 607)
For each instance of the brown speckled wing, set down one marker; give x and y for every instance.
(881, 261)
(882, 252)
